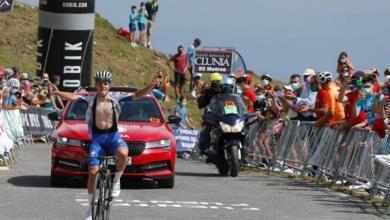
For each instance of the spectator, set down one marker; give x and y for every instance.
(198, 84)
(133, 25)
(369, 102)
(343, 76)
(334, 111)
(181, 111)
(349, 95)
(163, 87)
(56, 80)
(152, 9)
(8, 72)
(142, 21)
(11, 95)
(2, 79)
(302, 98)
(180, 61)
(191, 61)
(344, 60)
(248, 93)
(25, 83)
(45, 81)
(374, 75)
(266, 80)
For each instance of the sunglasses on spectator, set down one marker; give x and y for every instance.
(366, 86)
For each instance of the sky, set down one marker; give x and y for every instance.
(277, 37)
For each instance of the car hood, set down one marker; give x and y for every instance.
(130, 131)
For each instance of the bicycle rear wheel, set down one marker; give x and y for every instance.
(107, 195)
(97, 198)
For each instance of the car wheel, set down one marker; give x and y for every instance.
(57, 181)
(167, 183)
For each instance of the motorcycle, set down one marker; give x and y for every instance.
(228, 129)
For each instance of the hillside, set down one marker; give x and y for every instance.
(130, 66)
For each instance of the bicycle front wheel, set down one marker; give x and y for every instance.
(97, 198)
(107, 195)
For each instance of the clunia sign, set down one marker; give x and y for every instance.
(213, 61)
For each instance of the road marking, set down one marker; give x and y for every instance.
(175, 204)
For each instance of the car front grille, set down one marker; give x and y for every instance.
(135, 148)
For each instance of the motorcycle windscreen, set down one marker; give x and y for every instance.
(227, 104)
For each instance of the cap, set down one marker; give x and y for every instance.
(24, 76)
(309, 72)
(9, 71)
(287, 87)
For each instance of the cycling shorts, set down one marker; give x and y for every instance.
(102, 144)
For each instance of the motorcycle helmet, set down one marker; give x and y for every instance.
(215, 78)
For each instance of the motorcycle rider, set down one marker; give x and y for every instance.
(213, 97)
(211, 89)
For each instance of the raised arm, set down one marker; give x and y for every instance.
(142, 92)
(64, 95)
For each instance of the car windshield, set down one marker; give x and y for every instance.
(142, 110)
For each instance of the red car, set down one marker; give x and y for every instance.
(152, 146)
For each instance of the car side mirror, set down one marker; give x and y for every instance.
(54, 116)
(174, 119)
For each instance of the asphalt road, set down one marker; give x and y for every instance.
(199, 193)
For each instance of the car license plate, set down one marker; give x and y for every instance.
(112, 162)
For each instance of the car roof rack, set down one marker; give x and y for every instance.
(114, 89)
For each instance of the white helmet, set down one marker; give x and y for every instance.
(324, 77)
(103, 75)
(14, 82)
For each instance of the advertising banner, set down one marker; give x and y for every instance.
(207, 61)
(185, 139)
(6, 5)
(65, 39)
(36, 122)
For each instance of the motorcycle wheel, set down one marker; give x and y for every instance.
(233, 161)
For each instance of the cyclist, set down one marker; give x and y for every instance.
(102, 118)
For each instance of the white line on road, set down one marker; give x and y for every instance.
(176, 204)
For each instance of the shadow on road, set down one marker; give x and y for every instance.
(198, 174)
(43, 181)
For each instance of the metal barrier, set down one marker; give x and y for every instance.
(322, 152)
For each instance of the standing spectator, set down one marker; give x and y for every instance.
(343, 76)
(304, 97)
(25, 83)
(11, 95)
(142, 21)
(344, 60)
(349, 94)
(56, 80)
(266, 80)
(369, 102)
(133, 25)
(248, 94)
(191, 61)
(374, 75)
(198, 84)
(152, 9)
(181, 66)
(334, 110)
(45, 81)
(181, 111)
(386, 86)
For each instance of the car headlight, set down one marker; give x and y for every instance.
(166, 144)
(64, 141)
(232, 129)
